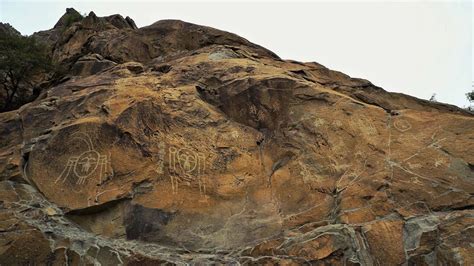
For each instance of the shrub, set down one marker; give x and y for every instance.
(470, 96)
(71, 18)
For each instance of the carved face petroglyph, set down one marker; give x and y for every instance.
(401, 124)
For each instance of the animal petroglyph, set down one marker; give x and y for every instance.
(402, 125)
(414, 165)
(441, 162)
(186, 164)
(86, 164)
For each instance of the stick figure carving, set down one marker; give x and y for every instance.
(86, 164)
(189, 164)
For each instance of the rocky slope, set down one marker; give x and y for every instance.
(178, 143)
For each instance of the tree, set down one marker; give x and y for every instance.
(22, 60)
(470, 96)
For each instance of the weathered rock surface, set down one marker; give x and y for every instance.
(178, 143)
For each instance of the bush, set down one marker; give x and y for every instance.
(470, 96)
(71, 18)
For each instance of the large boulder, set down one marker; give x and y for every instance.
(205, 148)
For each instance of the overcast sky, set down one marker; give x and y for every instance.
(418, 48)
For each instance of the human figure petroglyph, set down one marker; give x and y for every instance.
(86, 164)
(258, 114)
(261, 115)
(188, 165)
(275, 106)
(253, 109)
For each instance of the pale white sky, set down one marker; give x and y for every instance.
(415, 47)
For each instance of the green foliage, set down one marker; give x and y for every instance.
(470, 96)
(71, 18)
(22, 60)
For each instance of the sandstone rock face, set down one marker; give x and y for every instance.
(178, 143)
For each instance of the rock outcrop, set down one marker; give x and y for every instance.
(7, 29)
(179, 143)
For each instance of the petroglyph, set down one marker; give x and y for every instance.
(235, 134)
(414, 165)
(238, 180)
(253, 109)
(318, 122)
(435, 144)
(338, 168)
(227, 138)
(402, 125)
(161, 159)
(337, 123)
(364, 125)
(186, 165)
(261, 115)
(441, 162)
(350, 177)
(275, 106)
(86, 164)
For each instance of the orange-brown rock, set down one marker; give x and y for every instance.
(178, 143)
